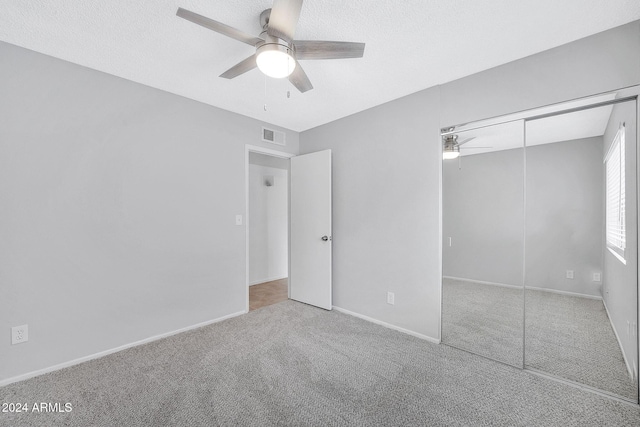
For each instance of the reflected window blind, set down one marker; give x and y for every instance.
(615, 194)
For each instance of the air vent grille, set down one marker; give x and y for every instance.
(273, 136)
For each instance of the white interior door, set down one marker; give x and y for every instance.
(310, 219)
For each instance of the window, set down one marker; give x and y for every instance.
(615, 195)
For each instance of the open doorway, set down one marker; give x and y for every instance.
(267, 228)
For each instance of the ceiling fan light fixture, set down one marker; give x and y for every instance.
(275, 60)
(450, 155)
(451, 151)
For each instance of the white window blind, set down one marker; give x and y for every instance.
(615, 194)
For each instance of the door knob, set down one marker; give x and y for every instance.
(325, 238)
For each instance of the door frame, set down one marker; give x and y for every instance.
(274, 153)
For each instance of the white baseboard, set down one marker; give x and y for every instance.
(504, 285)
(268, 279)
(615, 331)
(571, 294)
(100, 354)
(387, 325)
(480, 282)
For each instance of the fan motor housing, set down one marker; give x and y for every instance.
(264, 18)
(271, 42)
(274, 43)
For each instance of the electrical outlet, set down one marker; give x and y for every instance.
(597, 277)
(391, 298)
(569, 274)
(19, 334)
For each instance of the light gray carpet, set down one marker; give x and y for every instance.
(566, 336)
(483, 319)
(571, 337)
(292, 364)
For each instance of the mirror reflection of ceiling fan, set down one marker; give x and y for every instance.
(452, 146)
(277, 53)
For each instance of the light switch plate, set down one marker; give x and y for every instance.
(238, 219)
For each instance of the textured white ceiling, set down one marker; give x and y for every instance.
(411, 45)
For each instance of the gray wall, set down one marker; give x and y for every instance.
(385, 210)
(603, 62)
(387, 169)
(483, 213)
(118, 208)
(565, 215)
(621, 280)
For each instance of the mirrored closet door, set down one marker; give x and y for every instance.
(483, 218)
(540, 241)
(581, 247)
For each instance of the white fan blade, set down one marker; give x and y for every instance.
(284, 18)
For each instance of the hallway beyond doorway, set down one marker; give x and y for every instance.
(267, 293)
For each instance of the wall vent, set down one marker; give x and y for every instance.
(273, 136)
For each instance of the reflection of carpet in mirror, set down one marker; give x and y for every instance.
(567, 336)
(571, 337)
(483, 319)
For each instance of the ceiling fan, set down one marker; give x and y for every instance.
(277, 53)
(452, 146)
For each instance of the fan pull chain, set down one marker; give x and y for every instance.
(287, 80)
(265, 93)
